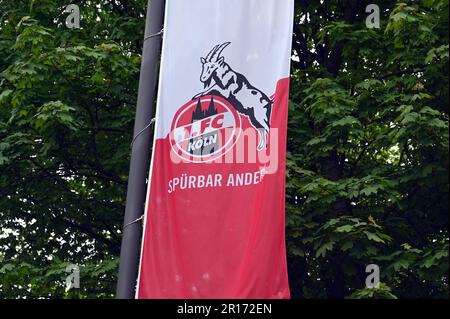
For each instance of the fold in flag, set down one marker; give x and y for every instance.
(215, 211)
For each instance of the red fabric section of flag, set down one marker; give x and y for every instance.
(219, 241)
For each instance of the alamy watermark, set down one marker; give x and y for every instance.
(73, 279)
(373, 279)
(373, 19)
(73, 19)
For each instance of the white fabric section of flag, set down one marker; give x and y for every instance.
(192, 26)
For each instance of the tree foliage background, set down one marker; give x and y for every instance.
(367, 179)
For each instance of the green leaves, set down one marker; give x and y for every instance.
(345, 229)
(368, 150)
(53, 114)
(25, 280)
(383, 292)
(322, 250)
(5, 94)
(67, 101)
(376, 237)
(3, 158)
(347, 121)
(347, 232)
(326, 100)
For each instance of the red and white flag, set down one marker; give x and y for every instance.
(215, 211)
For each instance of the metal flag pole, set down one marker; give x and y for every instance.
(140, 153)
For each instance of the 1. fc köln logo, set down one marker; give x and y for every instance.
(208, 126)
(205, 129)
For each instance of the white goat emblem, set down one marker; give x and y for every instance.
(220, 79)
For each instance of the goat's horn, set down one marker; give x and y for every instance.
(219, 50)
(211, 53)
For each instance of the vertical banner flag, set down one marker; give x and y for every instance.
(215, 211)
